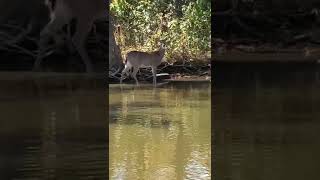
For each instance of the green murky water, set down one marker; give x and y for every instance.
(266, 122)
(53, 129)
(160, 133)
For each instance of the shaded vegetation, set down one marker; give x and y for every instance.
(256, 22)
(183, 25)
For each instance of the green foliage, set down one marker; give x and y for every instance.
(183, 25)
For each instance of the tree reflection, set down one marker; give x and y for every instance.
(160, 133)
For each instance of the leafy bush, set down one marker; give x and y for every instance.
(183, 25)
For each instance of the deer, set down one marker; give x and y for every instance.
(138, 59)
(85, 12)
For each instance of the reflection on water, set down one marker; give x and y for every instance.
(266, 122)
(160, 133)
(56, 132)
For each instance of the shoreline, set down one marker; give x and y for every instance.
(242, 57)
(174, 80)
(29, 75)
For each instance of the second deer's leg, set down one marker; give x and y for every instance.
(69, 36)
(154, 73)
(79, 40)
(134, 74)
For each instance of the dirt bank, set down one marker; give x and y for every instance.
(178, 71)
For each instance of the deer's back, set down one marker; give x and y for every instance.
(136, 58)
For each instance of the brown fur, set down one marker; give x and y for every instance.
(85, 12)
(137, 59)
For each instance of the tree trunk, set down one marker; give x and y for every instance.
(115, 58)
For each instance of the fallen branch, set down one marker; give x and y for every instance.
(6, 37)
(23, 34)
(23, 50)
(113, 76)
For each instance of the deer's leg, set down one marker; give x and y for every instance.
(125, 71)
(69, 36)
(49, 30)
(43, 44)
(134, 74)
(94, 31)
(79, 40)
(154, 73)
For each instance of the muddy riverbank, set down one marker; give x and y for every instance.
(178, 71)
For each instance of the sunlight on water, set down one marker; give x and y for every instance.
(160, 133)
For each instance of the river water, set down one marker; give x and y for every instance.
(266, 122)
(265, 125)
(53, 129)
(160, 133)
